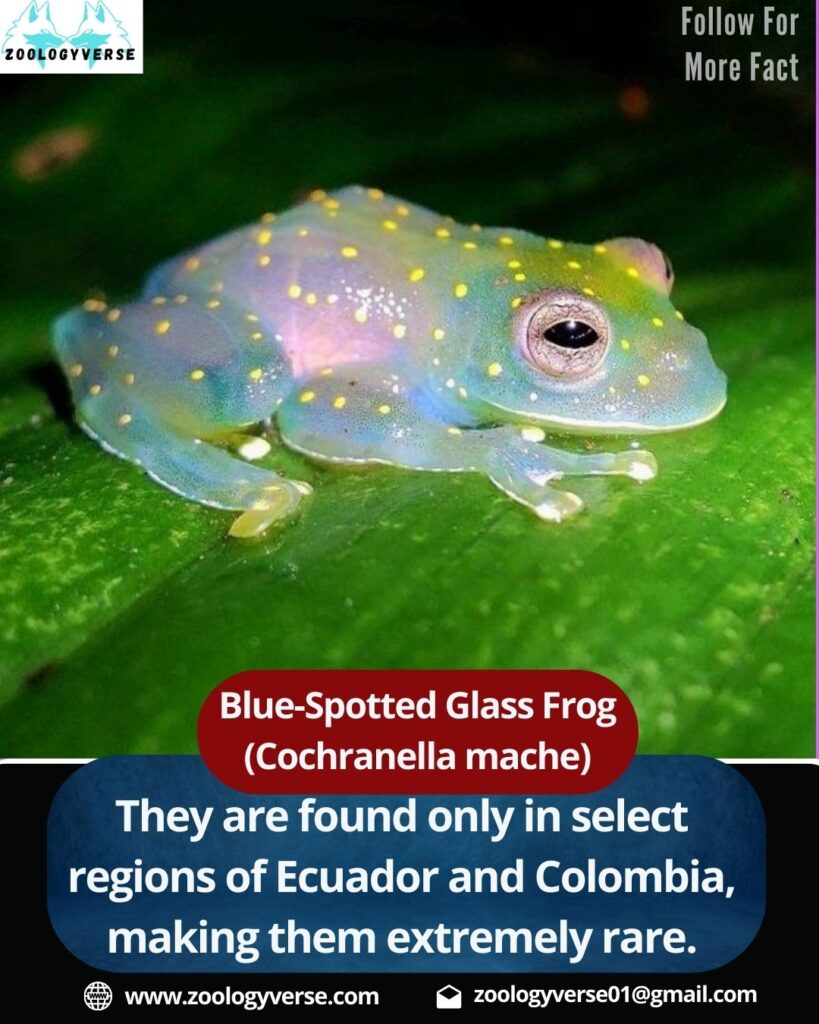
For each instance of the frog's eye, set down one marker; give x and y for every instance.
(571, 334)
(566, 336)
(669, 272)
(642, 260)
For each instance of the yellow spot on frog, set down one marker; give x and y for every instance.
(399, 330)
(197, 374)
(192, 264)
(494, 370)
(506, 240)
(401, 210)
(256, 374)
(439, 334)
(461, 291)
(339, 402)
(95, 389)
(158, 300)
(318, 195)
(251, 318)
(384, 409)
(268, 218)
(375, 194)
(331, 299)
(311, 298)
(180, 299)
(600, 249)
(331, 204)
(520, 277)
(517, 301)
(632, 272)
(417, 274)
(361, 315)
(643, 380)
(129, 379)
(349, 252)
(256, 336)
(302, 232)
(162, 326)
(625, 344)
(658, 321)
(113, 351)
(326, 372)
(573, 265)
(264, 261)
(307, 396)
(94, 306)
(678, 315)
(442, 233)
(263, 237)
(470, 245)
(113, 316)
(453, 430)
(213, 303)
(388, 225)
(514, 264)
(124, 419)
(294, 291)
(588, 291)
(553, 243)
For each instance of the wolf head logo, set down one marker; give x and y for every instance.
(35, 28)
(99, 27)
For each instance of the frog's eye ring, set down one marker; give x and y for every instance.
(565, 335)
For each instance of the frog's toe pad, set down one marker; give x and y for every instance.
(277, 501)
(642, 466)
(558, 506)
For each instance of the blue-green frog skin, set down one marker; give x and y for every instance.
(375, 331)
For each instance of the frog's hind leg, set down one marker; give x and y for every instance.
(164, 398)
(190, 466)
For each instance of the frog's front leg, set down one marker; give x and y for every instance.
(355, 416)
(527, 470)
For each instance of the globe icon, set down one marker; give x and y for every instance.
(98, 995)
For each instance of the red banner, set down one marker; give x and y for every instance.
(417, 732)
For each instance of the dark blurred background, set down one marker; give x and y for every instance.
(564, 118)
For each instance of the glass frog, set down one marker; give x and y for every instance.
(375, 331)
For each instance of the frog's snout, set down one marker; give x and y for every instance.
(715, 383)
(704, 387)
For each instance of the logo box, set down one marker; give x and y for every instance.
(71, 37)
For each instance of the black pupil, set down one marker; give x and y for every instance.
(571, 334)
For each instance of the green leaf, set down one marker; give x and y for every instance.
(122, 604)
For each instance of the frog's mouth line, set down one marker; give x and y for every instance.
(612, 429)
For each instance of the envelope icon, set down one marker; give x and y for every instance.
(448, 998)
